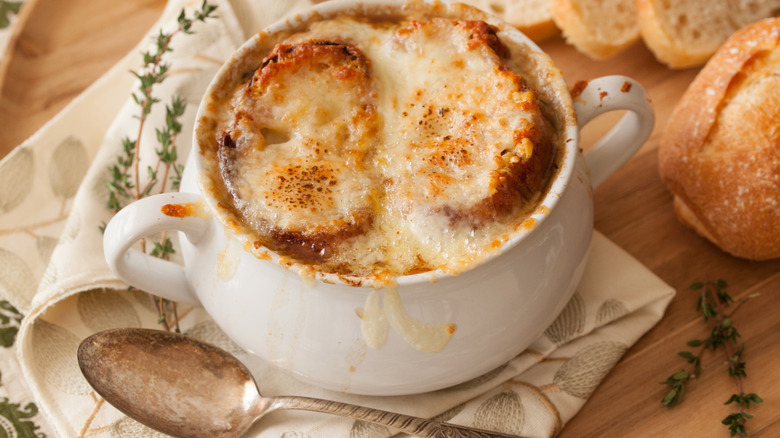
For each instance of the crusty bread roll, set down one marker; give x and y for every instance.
(720, 152)
(532, 17)
(685, 33)
(598, 28)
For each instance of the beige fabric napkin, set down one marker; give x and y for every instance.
(53, 271)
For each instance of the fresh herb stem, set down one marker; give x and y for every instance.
(125, 184)
(713, 304)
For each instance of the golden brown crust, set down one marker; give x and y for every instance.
(532, 17)
(720, 153)
(664, 46)
(482, 33)
(584, 26)
(308, 176)
(520, 172)
(392, 115)
(457, 148)
(345, 62)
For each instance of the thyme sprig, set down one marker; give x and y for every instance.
(713, 304)
(125, 184)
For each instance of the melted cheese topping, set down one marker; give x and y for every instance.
(422, 336)
(373, 324)
(386, 148)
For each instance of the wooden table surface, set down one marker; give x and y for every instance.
(64, 46)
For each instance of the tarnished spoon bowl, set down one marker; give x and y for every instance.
(187, 388)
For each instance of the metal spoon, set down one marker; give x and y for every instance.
(186, 388)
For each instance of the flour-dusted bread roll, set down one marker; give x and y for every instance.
(720, 152)
(685, 33)
(598, 28)
(532, 17)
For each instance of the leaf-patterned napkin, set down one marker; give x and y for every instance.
(52, 202)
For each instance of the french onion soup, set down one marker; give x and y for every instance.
(376, 149)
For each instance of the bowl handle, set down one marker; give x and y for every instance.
(612, 93)
(143, 271)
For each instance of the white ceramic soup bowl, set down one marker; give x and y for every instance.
(309, 326)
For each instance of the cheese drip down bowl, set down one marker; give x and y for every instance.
(458, 208)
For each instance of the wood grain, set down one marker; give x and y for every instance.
(634, 210)
(62, 48)
(62, 52)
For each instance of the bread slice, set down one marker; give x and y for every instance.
(471, 156)
(532, 17)
(720, 153)
(293, 156)
(685, 33)
(598, 28)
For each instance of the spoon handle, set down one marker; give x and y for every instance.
(405, 423)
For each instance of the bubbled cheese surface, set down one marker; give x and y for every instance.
(365, 147)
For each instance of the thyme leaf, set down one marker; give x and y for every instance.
(124, 182)
(713, 304)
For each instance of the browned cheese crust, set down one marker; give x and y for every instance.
(317, 170)
(453, 149)
(324, 146)
(720, 153)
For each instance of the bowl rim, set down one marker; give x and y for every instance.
(544, 208)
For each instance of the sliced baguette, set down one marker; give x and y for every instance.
(685, 33)
(532, 17)
(720, 153)
(598, 28)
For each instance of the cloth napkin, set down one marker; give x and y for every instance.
(52, 203)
